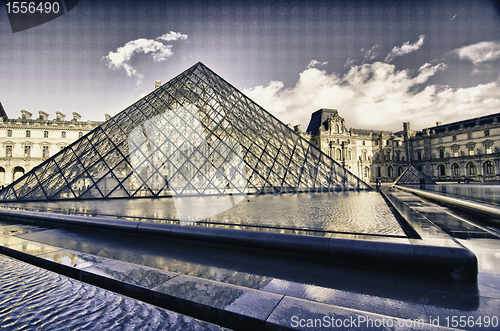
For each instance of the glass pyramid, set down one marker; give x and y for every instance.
(413, 176)
(196, 135)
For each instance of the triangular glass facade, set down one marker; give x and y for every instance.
(195, 135)
(413, 176)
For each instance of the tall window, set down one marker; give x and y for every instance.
(9, 133)
(469, 135)
(488, 168)
(28, 133)
(454, 138)
(441, 170)
(338, 154)
(63, 134)
(486, 133)
(45, 134)
(45, 152)
(441, 153)
(8, 151)
(472, 169)
(470, 148)
(80, 134)
(27, 151)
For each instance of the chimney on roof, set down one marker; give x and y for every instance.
(43, 115)
(60, 116)
(76, 116)
(439, 123)
(25, 115)
(157, 83)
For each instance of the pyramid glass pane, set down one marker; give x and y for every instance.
(194, 136)
(413, 176)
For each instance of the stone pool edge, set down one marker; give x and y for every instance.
(434, 256)
(467, 205)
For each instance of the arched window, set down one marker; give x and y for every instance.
(366, 172)
(364, 154)
(488, 168)
(441, 170)
(400, 171)
(337, 128)
(390, 172)
(17, 172)
(338, 154)
(349, 155)
(455, 167)
(471, 169)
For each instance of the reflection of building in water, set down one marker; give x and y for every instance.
(26, 142)
(445, 152)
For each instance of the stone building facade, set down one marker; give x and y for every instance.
(25, 142)
(467, 149)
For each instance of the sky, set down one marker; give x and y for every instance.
(379, 63)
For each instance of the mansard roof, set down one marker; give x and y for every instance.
(319, 117)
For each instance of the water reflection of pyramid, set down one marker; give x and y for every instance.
(195, 135)
(413, 176)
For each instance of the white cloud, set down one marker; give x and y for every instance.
(120, 59)
(377, 96)
(315, 63)
(405, 49)
(479, 53)
(172, 35)
(371, 54)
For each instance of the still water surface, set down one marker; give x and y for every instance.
(353, 212)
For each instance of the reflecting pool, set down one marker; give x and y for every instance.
(353, 212)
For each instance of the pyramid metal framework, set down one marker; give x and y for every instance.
(413, 176)
(194, 135)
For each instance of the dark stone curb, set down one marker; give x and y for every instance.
(427, 256)
(262, 311)
(187, 307)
